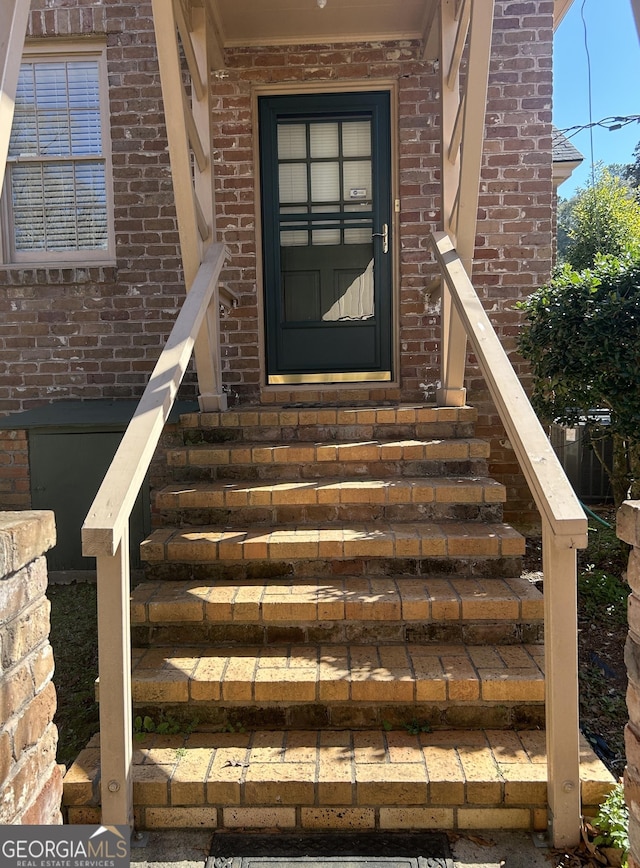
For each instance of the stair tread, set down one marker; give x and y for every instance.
(275, 415)
(370, 539)
(411, 449)
(333, 771)
(366, 599)
(340, 673)
(218, 493)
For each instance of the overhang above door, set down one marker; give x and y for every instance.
(296, 22)
(245, 23)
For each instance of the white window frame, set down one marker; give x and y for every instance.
(56, 51)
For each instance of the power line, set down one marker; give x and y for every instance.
(589, 91)
(611, 123)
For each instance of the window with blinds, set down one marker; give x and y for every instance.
(58, 198)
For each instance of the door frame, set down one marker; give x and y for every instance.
(329, 87)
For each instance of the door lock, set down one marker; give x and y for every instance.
(385, 237)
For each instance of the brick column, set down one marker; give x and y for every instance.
(628, 529)
(30, 780)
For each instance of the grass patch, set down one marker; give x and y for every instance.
(74, 638)
(603, 595)
(605, 551)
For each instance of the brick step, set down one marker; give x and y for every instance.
(224, 494)
(374, 540)
(378, 600)
(310, 780)
(328, 423)
(190, 473)
(502, 632)
(248, 570)
(338, 611)
(302, 455)
(337, 677)
(331, 500)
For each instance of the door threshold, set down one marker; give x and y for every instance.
(346, 377)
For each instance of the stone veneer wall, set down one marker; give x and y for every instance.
(30, 780)
(628, 529)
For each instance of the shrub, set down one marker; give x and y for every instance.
(581, 334)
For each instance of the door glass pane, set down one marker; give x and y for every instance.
(357, 180)
(294, 238)
(356, 138)
(324, 140)
(325, 182)
(325, 236)
(326, 266)
(293, 182)
(357, 236)
(292, 142)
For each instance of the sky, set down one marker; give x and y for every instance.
(614, 49)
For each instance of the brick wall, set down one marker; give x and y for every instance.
(628, 529)
(96, 332)
(30, 780)
(14, 470)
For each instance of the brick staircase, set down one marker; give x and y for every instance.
(334, 616)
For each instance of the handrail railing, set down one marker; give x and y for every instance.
(105, 534)
(114, 501)
(564, 529)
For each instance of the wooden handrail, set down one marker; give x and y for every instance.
(105, 533)
(549, 486)
(564, 529)
(110, 511)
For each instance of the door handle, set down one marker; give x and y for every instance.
(385, 237)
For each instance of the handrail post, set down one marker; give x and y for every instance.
(561, 687)
(462, 120)
(453, 338)
(114, 661)
(213, 398)
(453, 355)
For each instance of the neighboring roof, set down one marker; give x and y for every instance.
(566, 157)
(563, 150)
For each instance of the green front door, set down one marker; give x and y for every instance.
(326, 217)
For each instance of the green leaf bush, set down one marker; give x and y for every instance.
(581, 334)
(612, 822)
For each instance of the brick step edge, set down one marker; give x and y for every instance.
(363, 599)
(340, 674)
(240, 454)
(228, 494)
(368, 540)
(337, 780)
(344, 416)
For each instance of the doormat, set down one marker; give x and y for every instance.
(336, 850)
